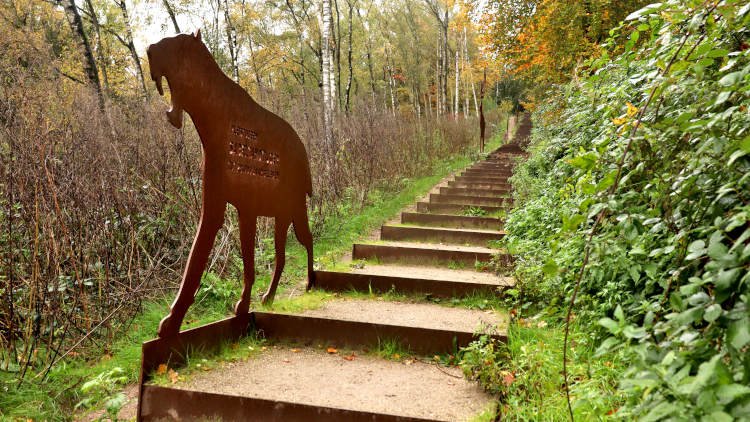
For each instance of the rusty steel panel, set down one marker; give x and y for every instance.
(437, 234)
(475, 185)
(437, 207)
(469, 200)
(449, 220)
(342, 282)
(482, 179)
(444, 190)
(253, 159)
(171, 404)
(420, 256)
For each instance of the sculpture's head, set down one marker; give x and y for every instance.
(167, 58)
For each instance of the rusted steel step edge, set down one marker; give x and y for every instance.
(164, 403)
(419, 256)
(482, 179)
(446, 190)
(341, 282)
(449, 220)
(485, 173)
(470, 185)
(442, 235)
(455, 208)
(469, 200)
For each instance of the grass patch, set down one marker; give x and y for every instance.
(527, 372)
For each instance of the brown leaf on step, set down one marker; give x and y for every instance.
(332, 351)
(349, 357)
(173, 376)
(286, 360)
(295, 350)
(206, 368)
(396, 356)
(235, 345)
(508, 378)
(162, 368)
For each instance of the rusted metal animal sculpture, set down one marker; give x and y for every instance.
(252, 159)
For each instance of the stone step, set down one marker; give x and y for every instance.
(473, 192)
(423, 254)
(436, 282)
(448, 220)
(455, 208)
(469, 200)
(440, 235)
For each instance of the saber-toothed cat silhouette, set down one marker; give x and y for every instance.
(252, 159)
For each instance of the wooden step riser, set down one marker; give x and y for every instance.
(366, 283)
(490, 186)
(469, 200)
(453, 208)
(418, 256)
(437, 235)
(474, 192)
(453, 221)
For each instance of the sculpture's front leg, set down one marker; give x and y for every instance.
(211, 221)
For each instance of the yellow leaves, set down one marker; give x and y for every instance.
(632, 110)
(619, 121)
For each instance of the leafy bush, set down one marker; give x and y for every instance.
(645, 159)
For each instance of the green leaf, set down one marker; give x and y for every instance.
(727, 393)
(738, 334)
(712, 312)
(731, 79)
(696, 250)
(550, 268)
(660, 411)
(717, 416)
(584, 162)
(619, 314)
(719, 52)
(607, 181)
(610, 325)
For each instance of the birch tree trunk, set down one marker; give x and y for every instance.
(87, 58)
(232, 42)
(172, 16)
(456, 95)
(349, 56)
(99, 47)
(128, 42)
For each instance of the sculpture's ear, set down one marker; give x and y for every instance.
(197, 34)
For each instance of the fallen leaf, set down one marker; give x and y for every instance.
(349, 357)
(396, 356)
(295, 350)
(235, 345)
(541, 324)
(173, 376)
(286, 360)
(263, 348)
(161, 369)
(436, 357)
(332, 351)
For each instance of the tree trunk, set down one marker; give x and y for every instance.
(87, 58)
(171, 16)
(349, 56)
(232, 42)
(445, 59)
(327, 85)
(99, 47)
(130, 45)
(456, 95)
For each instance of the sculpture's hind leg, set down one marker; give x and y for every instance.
(302, 231)
(281, 228)
(211, 221)
(247, 240)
